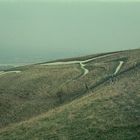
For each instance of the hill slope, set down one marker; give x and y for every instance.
(99, 105)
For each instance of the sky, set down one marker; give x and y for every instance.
(32, 32)
(69, 0)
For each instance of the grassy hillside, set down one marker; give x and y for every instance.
(57, 102)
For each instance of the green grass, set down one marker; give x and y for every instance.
(109, 109)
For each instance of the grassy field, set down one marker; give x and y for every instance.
(58, 103)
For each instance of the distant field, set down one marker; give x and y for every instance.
(57, 102)
(5, 67)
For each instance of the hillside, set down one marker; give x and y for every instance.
(96, 97)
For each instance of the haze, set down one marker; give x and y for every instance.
(32, 32)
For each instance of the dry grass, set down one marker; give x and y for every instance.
(109, 111)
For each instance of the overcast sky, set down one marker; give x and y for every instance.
(32, 32)
(69, 0)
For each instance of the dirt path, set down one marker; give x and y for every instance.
(118, 67)
(3, 72)
(86, 71)
(82, 63)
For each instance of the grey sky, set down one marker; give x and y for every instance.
(69, 0)
(31, 32)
